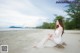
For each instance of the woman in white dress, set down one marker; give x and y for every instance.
(56, 37)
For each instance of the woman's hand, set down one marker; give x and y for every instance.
(50, 36)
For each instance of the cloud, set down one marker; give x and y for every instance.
(29, 21)
(30, 13)
(50, 8)
(10, 14)
(11, 17)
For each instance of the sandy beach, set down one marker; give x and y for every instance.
(21, 41)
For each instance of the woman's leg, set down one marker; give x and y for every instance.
(47, 38)
(43, 41)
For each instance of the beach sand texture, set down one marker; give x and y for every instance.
(21, 41)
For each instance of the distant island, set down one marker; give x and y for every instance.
(15, 27)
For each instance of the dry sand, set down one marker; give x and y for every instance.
(21, 41)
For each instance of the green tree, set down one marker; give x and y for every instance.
(58, 17)
(52, 25)
(45, 25)
(68, 24)
(74, 12)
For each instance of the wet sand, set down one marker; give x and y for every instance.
(21, 41)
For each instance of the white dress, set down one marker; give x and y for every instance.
(56, 38)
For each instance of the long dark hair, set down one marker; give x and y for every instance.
(61, 24)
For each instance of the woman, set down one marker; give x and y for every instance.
(56, 37)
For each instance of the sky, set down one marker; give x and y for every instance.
(29, 13)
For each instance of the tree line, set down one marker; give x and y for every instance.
(73, 22)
